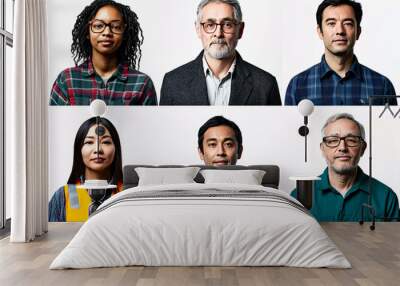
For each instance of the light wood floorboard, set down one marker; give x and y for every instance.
(375, 257)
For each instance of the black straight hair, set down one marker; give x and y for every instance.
(218, 121)
(78, 166)
(358, 12)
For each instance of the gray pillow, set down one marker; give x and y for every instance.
(247, 177)
(166, 176)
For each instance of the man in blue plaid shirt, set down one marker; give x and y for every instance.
(339, 79)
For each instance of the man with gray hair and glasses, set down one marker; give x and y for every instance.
(343, 188)
(219, 76)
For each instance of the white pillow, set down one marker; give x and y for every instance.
(166, 176)
(247, 177)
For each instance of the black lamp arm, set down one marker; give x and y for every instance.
(98, 135)
(305, 120)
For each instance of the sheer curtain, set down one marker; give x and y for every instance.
(27, 122)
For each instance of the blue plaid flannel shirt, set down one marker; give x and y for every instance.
(323, 86)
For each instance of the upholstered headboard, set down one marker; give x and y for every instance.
(270, 179)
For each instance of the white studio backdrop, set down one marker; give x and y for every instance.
(280, 36)
(168, 135)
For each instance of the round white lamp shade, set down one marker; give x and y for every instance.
(98, 107)
(306, 107)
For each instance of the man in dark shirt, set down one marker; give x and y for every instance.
(219, 75)
(344, 186)
(339, 79)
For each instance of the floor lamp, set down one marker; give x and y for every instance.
(368, 207)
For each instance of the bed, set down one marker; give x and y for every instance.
(201, 224)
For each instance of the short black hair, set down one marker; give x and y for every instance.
(326, 3)
(218, 121)
(132, 39)
(78, 166)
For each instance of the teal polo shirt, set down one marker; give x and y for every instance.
(330, 205)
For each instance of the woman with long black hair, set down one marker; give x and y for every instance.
(91, 162)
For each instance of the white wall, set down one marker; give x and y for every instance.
(280, 36)
(168, 135)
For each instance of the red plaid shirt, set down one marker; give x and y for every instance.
(80, 85)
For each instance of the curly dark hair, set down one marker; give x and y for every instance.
(129, 51)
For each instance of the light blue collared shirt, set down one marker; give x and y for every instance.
(219, 90)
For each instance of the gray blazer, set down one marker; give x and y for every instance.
(186, 85)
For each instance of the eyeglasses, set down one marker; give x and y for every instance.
(228, 27)
(98, 26)
(350, 141)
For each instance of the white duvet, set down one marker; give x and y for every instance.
(264, 229)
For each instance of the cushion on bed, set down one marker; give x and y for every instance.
(247, 177)
(166, 176)
(270, 179)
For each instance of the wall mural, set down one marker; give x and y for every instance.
(248, 98)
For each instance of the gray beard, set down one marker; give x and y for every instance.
(345, 171)
(219, 54)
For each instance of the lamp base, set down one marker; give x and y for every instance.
(371, 210)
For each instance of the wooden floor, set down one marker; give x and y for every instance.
(375, 257)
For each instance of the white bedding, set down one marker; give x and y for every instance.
(221, 229)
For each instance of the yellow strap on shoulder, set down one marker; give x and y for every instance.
(77, 211)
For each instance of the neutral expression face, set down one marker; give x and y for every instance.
(106, 42)
(220, 146)
(342, 159)
(339, 30)
(98, 161)
(219, 45)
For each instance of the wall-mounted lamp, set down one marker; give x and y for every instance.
(99, 190)
(306, 108)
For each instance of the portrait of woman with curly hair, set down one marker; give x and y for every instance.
(106, 49)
